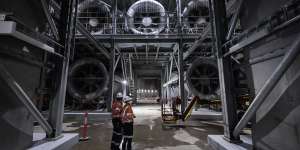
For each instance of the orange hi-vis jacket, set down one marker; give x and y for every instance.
(117, 108)
(127, 114)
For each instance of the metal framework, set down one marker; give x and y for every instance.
(68, 18)
(288, 59)
(226, 45)
(24, 98)
(62, 42)
(224, 64)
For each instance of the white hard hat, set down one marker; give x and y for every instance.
(119, 95)
(127, 99)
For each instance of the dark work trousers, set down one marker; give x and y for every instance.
(117, 134)
(127, 136)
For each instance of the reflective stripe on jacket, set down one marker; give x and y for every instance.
(117, 108)
(127, 114)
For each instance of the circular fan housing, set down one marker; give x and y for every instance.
(146, 17)
(94, 15)
(203, 78)
(88, 79)
(195, 13)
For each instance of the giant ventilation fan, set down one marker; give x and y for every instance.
(195, 13)
(94, 14)
(203, 78)
(88, 79)
(146, 17)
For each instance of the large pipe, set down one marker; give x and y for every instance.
(147, 25)
(88, 79)
(287, 60)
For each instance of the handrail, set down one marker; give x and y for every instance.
(288, 59)
(188, 111)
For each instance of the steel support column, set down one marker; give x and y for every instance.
(112, 60)
(224, 64)
(181, 78)
(180, 59)
(162, 81)
(66, 34)
(111, 80)
(167, 78)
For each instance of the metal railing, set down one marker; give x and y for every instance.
(103, 25)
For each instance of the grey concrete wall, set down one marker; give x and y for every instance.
(277, 124)
(278, 119)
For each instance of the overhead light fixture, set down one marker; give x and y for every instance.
(124, 82)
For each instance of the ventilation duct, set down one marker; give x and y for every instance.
(146, 17)
(203, 79)
(94, 15)
(195, 13)
(88, 79)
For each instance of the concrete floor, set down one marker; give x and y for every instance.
(149, 133)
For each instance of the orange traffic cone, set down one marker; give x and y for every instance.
(85, 136)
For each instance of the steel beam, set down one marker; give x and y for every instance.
(181, 78)
(112, 65)
(133, 38)
(157, 50)
(56, 112)
(123, 67)
(171, 68)
(50, 19)
(135, 51)
(91, 39)
(197, 43)
(116, 63)
(269, 85)
(162, 80)
(259, 35)
(225, 72)
(86, 34)
(234, 20)
(147, 49)
(130, 67)
(180, 58)
(177, 66)
(24, 98)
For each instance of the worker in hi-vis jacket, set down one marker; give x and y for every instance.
(117, 108)
(127, 122)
